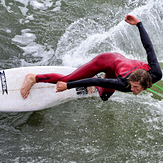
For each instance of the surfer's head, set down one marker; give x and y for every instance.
(139, 81)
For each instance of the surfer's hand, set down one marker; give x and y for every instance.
(61, 86)
(132, 20)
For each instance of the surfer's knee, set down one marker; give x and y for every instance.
(106, 95)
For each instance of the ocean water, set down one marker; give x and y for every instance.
(126, 128)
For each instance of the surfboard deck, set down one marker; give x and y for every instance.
(41, 96)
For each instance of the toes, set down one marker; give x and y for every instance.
(25, 95)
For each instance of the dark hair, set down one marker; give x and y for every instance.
(141, 76)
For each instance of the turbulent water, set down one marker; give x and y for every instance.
(126, 128)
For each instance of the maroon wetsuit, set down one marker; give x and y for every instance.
(116, 67)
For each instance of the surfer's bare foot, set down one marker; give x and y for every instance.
(91, 89)
(30, 80)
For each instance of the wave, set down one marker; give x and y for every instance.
(85, 38)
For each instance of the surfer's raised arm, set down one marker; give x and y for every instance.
(155, 70)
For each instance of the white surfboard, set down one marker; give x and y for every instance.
(42, 95)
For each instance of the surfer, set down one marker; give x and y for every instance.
(121, 74)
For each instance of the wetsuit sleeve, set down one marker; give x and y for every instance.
(155, 71)
(117, 84)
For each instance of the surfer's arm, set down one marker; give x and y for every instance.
(151, 56)
(116, 84)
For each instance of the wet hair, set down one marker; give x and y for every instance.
(141, 76)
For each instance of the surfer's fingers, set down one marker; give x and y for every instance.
(59, 90)
(61, 87)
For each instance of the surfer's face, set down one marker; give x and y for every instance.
(136, 88)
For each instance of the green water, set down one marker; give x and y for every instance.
(126, 128)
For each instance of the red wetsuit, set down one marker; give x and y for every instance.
(116, 67)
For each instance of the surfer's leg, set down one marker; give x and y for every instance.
(48, 78)
(101, 63)
(105, 93)
(30, 80)
(90, 69)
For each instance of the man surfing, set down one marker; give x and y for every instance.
(121, 74)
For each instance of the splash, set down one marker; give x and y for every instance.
(85, 38)
(79, 38)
